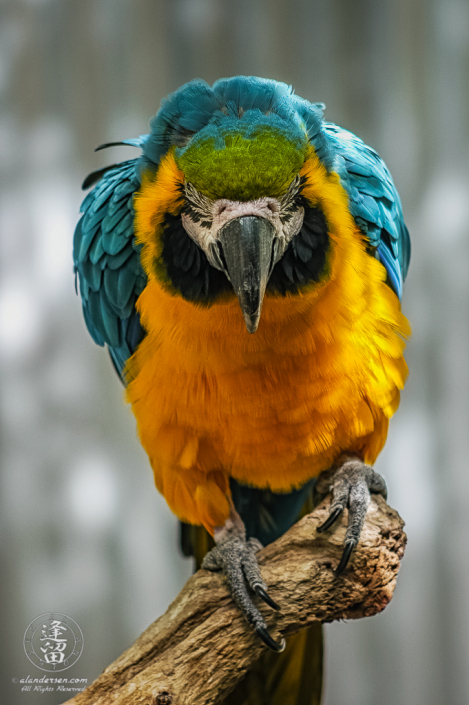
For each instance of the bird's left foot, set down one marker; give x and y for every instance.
(236, 557)
(351, 486)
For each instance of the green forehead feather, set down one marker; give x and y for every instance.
(242, 168)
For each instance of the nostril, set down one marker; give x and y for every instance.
(273, 208)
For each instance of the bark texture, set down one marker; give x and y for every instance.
(201, 647)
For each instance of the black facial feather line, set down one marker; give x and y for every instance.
(197, 206)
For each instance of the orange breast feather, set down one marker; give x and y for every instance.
(321, 376)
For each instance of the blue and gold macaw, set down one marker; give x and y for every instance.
(245, 272)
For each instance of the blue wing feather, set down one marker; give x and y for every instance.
(97, 249)
(374, 202)
(107, 262)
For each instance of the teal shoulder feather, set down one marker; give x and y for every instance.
(107, 262)
(374, 202)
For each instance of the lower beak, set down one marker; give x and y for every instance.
(247, 245)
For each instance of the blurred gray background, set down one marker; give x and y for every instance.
(84, 532)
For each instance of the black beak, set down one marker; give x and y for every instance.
(247, 245)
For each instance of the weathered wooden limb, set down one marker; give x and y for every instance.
(201, 647)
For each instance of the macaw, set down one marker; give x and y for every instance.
(245, 272)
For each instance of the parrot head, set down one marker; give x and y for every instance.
(231, 165)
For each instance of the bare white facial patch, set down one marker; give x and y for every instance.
(203, 218)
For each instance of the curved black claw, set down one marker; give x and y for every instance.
(266, 597)
(268, 641)
(331, 519)
(236, 557)
(345, 558)
(352, 484)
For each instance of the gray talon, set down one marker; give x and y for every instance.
(351, 487)
(236, 557)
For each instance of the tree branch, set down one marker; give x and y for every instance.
(201, 647)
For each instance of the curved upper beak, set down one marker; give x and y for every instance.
(247, 245)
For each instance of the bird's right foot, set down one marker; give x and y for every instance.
(236, 557)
